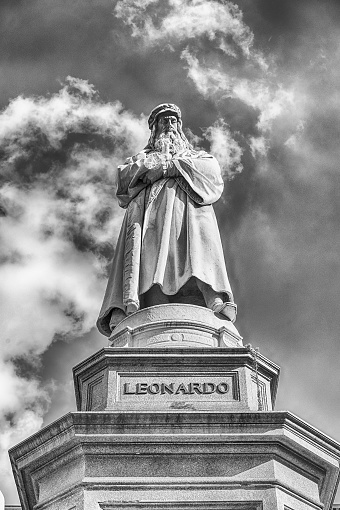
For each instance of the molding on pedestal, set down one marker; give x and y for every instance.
(115, 457)
(175, 325)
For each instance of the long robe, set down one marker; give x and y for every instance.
(169, 233)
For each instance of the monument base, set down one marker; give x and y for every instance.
(178, 414)
(143, 460)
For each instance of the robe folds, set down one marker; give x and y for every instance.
(169, 233)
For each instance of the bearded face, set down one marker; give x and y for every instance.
(166, 123)
(167, 135)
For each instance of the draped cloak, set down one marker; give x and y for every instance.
(169, 233)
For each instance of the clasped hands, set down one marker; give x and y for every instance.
(155, 173)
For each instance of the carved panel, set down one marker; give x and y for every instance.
(95, 394)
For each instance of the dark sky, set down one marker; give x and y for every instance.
(258, 83)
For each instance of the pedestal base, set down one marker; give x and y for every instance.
(179, 415)
(210, 461)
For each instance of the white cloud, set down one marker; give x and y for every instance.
(227, 67)
(270, 100)
(73, 109)
(223, 146)
(258, 146)
(43, 279)
(58, 211)
(58, 164)
(208, 81)
(188, 19)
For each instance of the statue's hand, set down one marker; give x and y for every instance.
(156, 167)
(153, 175)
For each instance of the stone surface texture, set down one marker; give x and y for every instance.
(253, 460)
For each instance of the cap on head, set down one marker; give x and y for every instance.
(164, 108)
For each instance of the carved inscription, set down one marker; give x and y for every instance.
(191, 388)
(176, 386)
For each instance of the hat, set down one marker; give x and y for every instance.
(164, 108)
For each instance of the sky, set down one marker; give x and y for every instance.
(258, 83)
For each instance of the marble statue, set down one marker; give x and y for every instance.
(169, 249)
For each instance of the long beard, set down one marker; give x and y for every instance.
(172, 139)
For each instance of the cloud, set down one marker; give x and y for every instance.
(208, 81)
(59, 224)
(217, 49)
(188, 19)
(223, 146)
(270, 100)
(258, 146)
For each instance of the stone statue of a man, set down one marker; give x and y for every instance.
(169, 249)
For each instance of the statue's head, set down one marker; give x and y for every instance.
(164, 110)
(166, 121)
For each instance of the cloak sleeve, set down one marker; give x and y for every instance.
(129, 183)
(200, 176)
(197, 173)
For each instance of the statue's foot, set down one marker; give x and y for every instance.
(227, 309)
(117, 316)
(131, 308)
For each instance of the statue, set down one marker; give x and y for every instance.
(169, 249)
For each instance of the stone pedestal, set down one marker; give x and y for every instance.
(145, 379)
(176, 325)
(176, 414)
